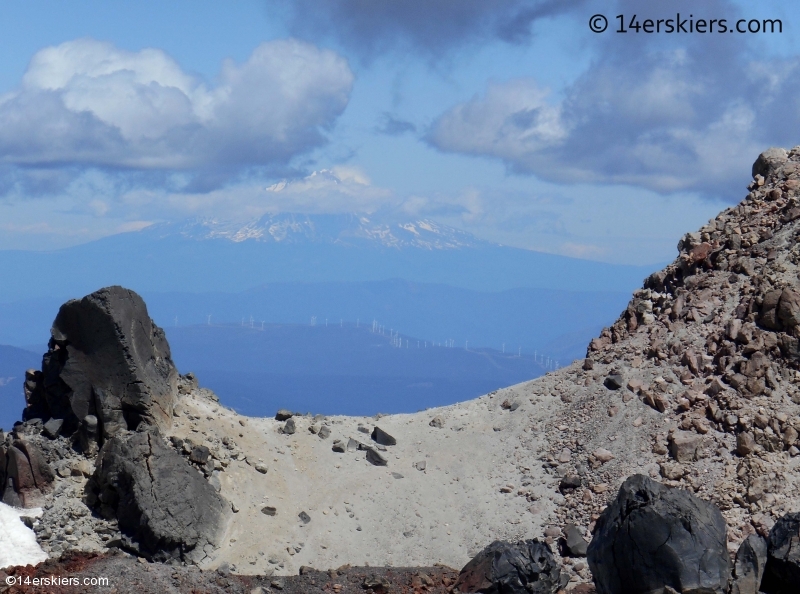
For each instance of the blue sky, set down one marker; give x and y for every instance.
(509, 119)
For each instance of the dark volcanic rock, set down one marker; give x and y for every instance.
(108, 359)
(380, 436)
(652, 536)
(748, 569)
(164, 507)
(782, 574)
(283, 415)
(375, 457)
(512, 568)
(53, 427)
(574, 543)
(569, 482)
(25, 475)
(614, 381)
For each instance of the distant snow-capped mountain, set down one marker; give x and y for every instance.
(342, 229)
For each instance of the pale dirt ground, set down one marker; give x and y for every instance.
(444, 514)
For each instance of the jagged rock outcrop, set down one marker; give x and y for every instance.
(164, 507)
(512, 568)
(25, 475)
(653, 536)
(706, 359)
(782, 574)
(748, 568)
(108, 366)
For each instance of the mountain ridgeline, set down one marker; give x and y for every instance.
(205, 256)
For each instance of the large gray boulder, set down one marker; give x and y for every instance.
(106, 359)
(748, 569)
(526, 567)
(165, 508)
(782, 574)
(653, 536)
(769, 161)
(25, 475)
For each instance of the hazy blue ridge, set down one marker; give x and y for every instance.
(560, 323)
(150, 263)
(13, 363)
(338, 369)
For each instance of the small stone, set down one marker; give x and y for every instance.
(269, 510)
(637, 422)
(570, 481)
(339, 446)
(672, 470)
(684, 446)
(289, 427)
(324, 432)
(552, 531)
(200, 455)
(437, 422)
(304, 517)
(375, 457)
(614, 381)
(575, 545)
(745, 443)
(262, 468)
(603, 455)
(283, 415)
(421, 465)
(380, 436)
(52, 427)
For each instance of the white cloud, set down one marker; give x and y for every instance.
(510, 120)
(667, 113)
(88, 104)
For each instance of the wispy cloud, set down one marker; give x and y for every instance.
(392, 126)
(430, 28)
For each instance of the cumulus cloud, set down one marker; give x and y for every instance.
(431, 27)
(667, 113)
(87, 104)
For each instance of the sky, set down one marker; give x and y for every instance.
(509, 119)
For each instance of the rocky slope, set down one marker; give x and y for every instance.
(696, 384)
